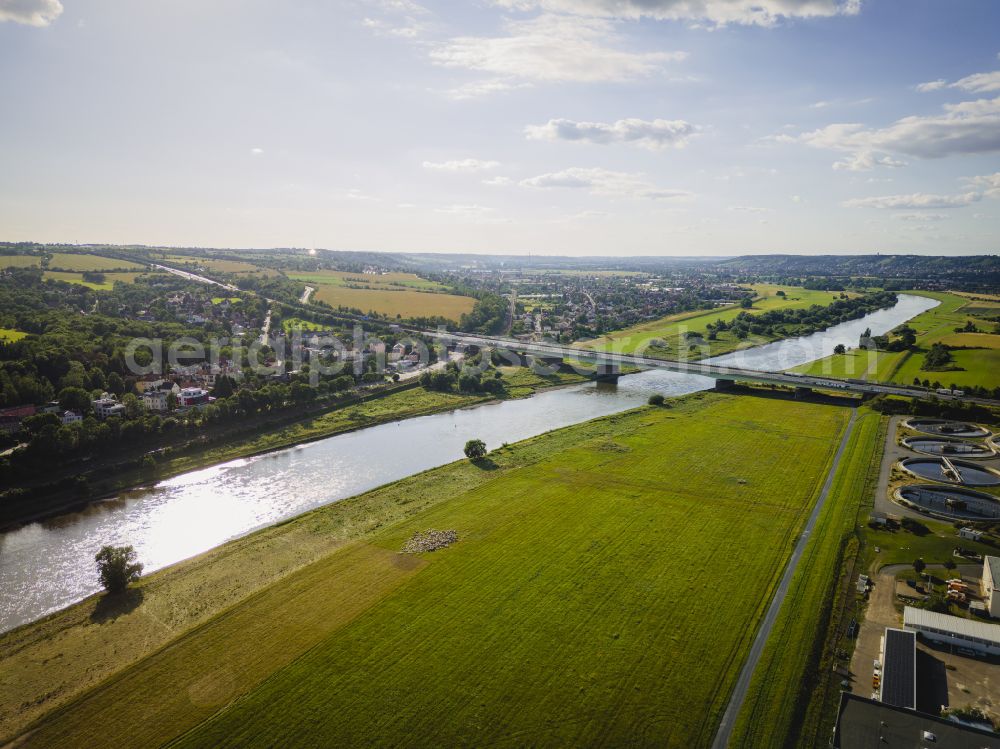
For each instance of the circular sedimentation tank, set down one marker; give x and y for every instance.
(949, 501)
(951, 471)
(947, 428)
(948, 447)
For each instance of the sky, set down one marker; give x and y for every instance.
(575, 127)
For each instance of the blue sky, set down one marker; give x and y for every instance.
(590, 127)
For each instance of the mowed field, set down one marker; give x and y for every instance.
(391, 294)
(74, 262)
(20, 261)
(671, 329)
(605, 588)
(106, 285)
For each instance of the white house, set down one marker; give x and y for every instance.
(155, 400)
(107, 405)
(991, 575)
(970, 534)
(70, 417)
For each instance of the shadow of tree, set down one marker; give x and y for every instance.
(113, 605)
(486, 464)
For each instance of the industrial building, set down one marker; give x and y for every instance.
(863, 722)
(980, 637)
(898, 686)
(991, 573)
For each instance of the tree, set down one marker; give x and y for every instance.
(746, 302)
(117, 566)
(840, 349)
(475, 449)
(74, 399)
(949, 565)
(656, 399)
(779, 292)
(919, 565)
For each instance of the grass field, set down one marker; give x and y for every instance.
(584, 603)
(291, 323)
(74, 262)
(379, 281)
(855, 363)
(20, 261)
(671, 329)
(11, 335)
(775, 712)
(106, 285)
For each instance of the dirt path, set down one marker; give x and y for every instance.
(306, 294)
(743, 682)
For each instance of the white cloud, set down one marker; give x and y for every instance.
(461, 165)
(865, 161)
(411, 30)
(651, 134)
(989, 181)
(468, 210)
(551, 48)
(979, 83)
(748, 209)
(30, 12)
(714, 12)
(964, 128)
(919, 217)
(498, 181)
(256, 151)
(604, 182)
(479, 89)
(915, 201)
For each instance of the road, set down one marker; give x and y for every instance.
(703, 368)
(266, 329)
(743, 682)
(306, 294)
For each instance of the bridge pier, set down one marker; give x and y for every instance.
(544, 365)
(723, 385)
(607, 372)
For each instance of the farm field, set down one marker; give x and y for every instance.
(560, 616)
(9, 335)
(20, 261)
(80, 262)
(671, 329)
(219, 265)
(381, 280)
(856, 363)
(106, 285)
(406, 303)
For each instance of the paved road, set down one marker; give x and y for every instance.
(743, 682)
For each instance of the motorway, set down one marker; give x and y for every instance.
(706, 369)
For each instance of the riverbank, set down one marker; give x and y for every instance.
(403, 402)
(617, 499)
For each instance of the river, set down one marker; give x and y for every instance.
(48, 565)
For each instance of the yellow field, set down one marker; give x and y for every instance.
(75, 262)
(19, 261)
(219, 266)
(109, 279)
(975, 296)
(972, 340)
(369, 280)
(403, 302)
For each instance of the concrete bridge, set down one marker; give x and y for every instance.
(609, 366)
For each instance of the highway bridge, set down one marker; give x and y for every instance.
(611, 363)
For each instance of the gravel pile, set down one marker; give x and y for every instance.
(430, 541)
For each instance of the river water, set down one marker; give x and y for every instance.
(48, 565)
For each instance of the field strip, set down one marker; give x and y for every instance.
(743, 683)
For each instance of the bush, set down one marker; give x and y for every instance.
(656, 399)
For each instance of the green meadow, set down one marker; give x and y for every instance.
(605, 588)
